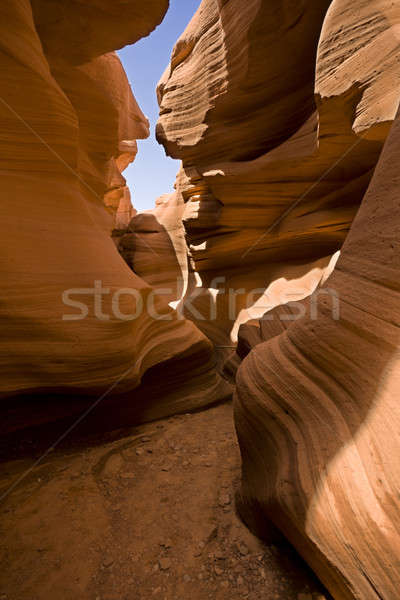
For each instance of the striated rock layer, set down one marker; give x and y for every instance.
(279, 112)
(317, 410)
(69, 123)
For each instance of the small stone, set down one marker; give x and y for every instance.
(108, 562)
(166, 544)
(218, 570)
(225, 584)
(208, 464)
(113, 465)
(166, 468)
(139, 451)
(128, 476)
(155, 568)
(146, 438)
(243, 549)
(187, 578)
(240, 580)
(156, 591)
(165, 564)
(219, 554)
(262, 573)
(224, 499)
(200, 576)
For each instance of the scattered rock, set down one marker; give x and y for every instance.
(243, 549)
(127, 476)
(113, 465)
(139, 451)
(108, 562)
(187, 578)
(218, 570)
(224, 499)
(165, 564)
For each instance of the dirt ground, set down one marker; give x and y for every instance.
(141, 514)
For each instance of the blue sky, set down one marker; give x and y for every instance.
(152, 173)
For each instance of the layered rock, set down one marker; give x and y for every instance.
(317, 416)
(279, 114)
(75, 319)
(279, 126)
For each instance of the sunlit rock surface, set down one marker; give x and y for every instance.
(317, 411)
(279, 112)
(69, 126)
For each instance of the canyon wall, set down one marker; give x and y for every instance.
(279, 127)
(279, 112)
(76, 322)
(317, 410)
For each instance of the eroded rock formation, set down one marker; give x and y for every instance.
(279, 112)
(70, 124)
(279, 126)
(317, 415)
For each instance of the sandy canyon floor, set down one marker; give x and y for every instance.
(140, 514)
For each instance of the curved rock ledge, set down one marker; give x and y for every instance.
(61, 161)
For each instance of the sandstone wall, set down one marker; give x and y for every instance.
(69, 126)
(279, 112)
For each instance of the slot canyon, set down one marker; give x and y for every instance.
(201, 400)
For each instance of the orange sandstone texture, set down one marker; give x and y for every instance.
(279, 112)
(69, 123)
(317, 411)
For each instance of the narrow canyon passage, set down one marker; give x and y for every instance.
(140, 514)
(186, 366)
